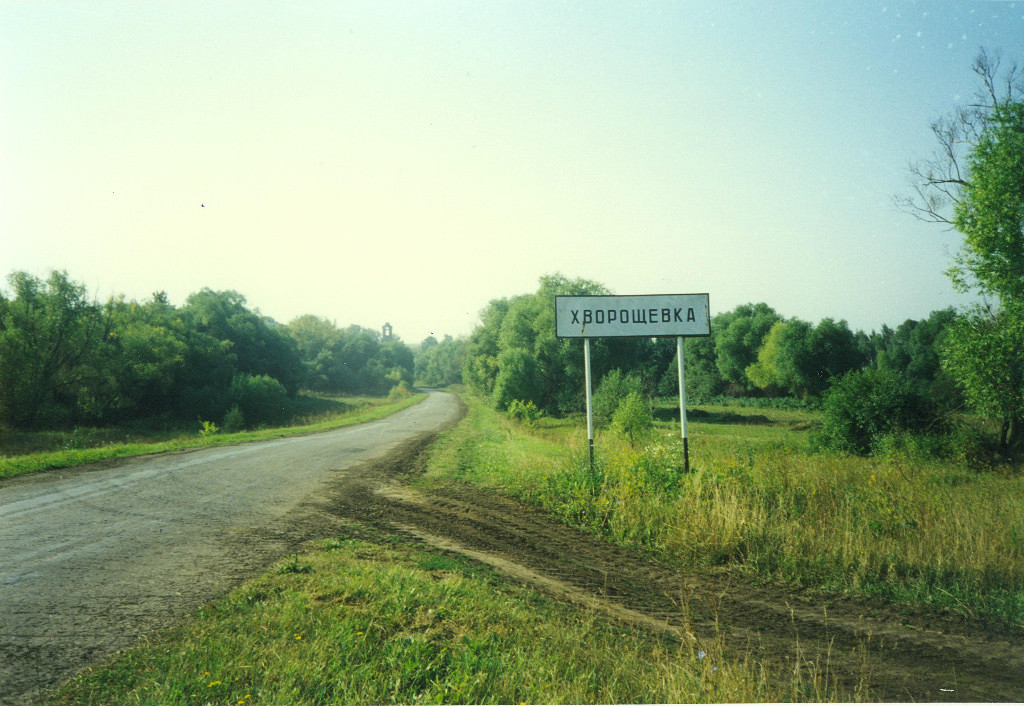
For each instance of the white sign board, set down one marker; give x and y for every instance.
(646, 315)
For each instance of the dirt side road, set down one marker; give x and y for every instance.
(866, 647)
(94, 557)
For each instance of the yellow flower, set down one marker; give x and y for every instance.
(212, 684)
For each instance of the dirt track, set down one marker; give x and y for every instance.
(896, 655)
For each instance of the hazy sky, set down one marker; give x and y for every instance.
(407, 162)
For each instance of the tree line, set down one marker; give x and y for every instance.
(753, 351)
(66, 359)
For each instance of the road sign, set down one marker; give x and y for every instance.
(647, 315)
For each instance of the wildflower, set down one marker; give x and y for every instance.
(213, 684)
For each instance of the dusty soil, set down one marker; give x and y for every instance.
(886, 652)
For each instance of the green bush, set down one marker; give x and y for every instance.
(614, 388)
(260, 398)
(633, 418)
(400, 391)
(525, 412)
(234, 420)
(865, 407)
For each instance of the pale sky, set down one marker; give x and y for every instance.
(409, 161)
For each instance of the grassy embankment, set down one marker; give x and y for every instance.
(905, 527)
(30, 451)
(357, 621)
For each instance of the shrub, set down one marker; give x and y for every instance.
(865, 406)
(614, 388)
(234, 420)
(400, 391)
(525, 412)
(633, 418)
(260, 398)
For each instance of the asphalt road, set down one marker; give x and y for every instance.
(93, 558)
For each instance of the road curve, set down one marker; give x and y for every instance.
(93, 558)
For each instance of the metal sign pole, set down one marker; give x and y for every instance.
(682, 405)
(590, 410)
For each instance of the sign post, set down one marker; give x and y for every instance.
(590, 411)
(682, 406)
(641, 315)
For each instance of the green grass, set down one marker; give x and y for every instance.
(759, 501)
(384, 622)
(29, 452)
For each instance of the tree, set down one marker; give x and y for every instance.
(990, 212)
(784, 360)
(975, 182)
(738, 338)
(703, 379)
(441, 364)
(49, 337)
(984, 351)
(937, 181)
(525, 325)
(260, 346)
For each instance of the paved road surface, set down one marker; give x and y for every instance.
(93, 558)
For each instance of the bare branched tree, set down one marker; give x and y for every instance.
(936, 181)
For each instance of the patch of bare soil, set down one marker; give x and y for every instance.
(886, 653)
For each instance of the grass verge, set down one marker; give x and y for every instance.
(381, 621)
(905, 528)
(356, 411)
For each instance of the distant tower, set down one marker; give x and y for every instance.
(386, 333)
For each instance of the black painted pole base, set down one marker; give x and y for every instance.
(591, 456)
(686, 455)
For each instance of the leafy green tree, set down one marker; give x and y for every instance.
(703, 379)
(739, 335)
(976, 184)
(315, 339)
(990, 211)
(480, 368)
(518, 379)
(985, 352)
(526, 324)
(260, 345)
(441, 364)
(147, 353)
(833, 351)
(50, 334)
(784, 361)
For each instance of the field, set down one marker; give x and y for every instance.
(768, 573)
(901, 526)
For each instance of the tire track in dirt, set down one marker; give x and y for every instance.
(885, 653)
